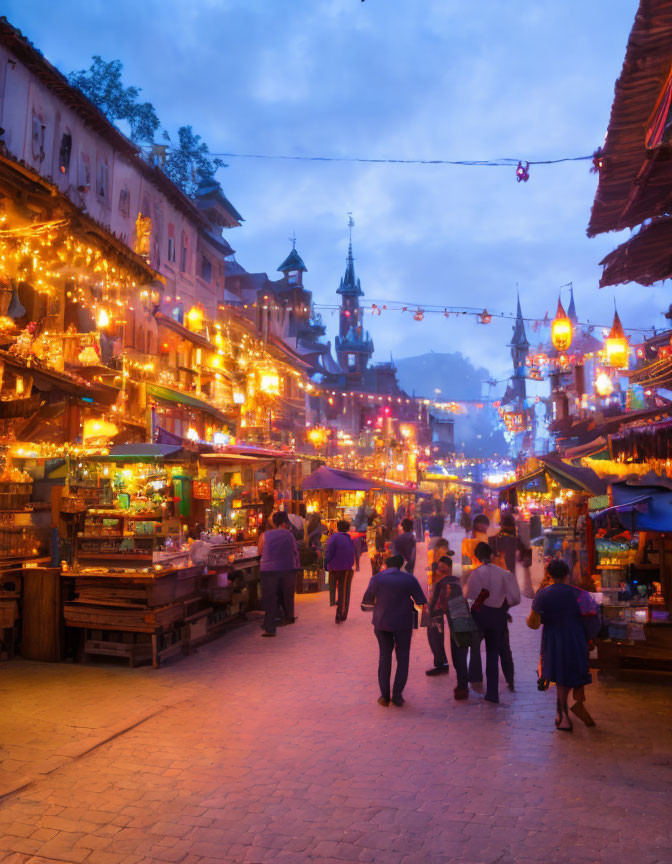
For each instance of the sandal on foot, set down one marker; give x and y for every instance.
(580, 710)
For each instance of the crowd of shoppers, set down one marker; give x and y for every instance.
(470, 609)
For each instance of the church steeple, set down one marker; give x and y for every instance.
(353, 345)
(349, 284)
(520, 348)
(293, 266)
(571, 309)
(519, 336)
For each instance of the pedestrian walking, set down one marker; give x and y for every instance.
(435, 525)
(435, 620)
(279, 563)
(479, 534)
(404, 545)
(360, 524)
(465, 520)
(564, 610)
(449, 601)
(339, 557)
(392, 593)
(450, 507)
(507, 551)
(495, 590)
(315, 529)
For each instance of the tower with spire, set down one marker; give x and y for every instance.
(293, 267)
(354, 347)
(520, 348)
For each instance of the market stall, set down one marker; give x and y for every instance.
(149, 580)
(634, 563)
(335, 494)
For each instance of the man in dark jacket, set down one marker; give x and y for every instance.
(339, 557)
(404, 545)
(392, 593)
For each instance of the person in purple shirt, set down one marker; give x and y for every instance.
(279, 563)
(392, 593)
(404, 545)
(339, 558)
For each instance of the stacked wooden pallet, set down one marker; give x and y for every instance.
(138, 615)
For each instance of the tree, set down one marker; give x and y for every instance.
(102, 84)
(190, 163)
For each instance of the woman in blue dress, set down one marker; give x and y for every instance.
(564, 645)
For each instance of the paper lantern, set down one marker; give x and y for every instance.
(103, 319)
(561, 329)
(616, 346)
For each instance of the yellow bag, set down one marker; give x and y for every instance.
(533, 620)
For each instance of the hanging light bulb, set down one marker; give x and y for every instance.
(616, 346)
(561, 329)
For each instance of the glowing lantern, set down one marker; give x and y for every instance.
(219, 340)
(604, 385)
(561, 329)
(616, 346)
(318, 437)
(192, 434)
(269, 382)
(195, 319)
(103, 320)
(98, 429)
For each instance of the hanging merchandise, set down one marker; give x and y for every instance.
(16, 308)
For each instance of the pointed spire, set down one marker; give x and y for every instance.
(519, 337)
(293, 261)
(349, 283)
(571, 309)
(616, 331)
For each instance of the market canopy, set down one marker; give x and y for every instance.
(650, 506)
(333, 478)
(168, 396)
(145, 453)
(574, 476)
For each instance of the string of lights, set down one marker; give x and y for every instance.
(418, 310)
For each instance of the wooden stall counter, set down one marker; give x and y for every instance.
(134, 614)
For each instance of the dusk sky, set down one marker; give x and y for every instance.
(431, 79)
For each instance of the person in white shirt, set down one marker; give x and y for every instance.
(493, 590)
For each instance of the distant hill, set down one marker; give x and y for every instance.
(452, 374)
(476, 433)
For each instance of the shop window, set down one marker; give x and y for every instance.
(65, 153)
(84, 172)
(125, 202)
(184, 255)
(101, 178)
(37, 138)
(206, 269)
(171, 242)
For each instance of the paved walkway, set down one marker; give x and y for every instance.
(260, 750)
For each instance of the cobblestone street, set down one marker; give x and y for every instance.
(258, 750)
